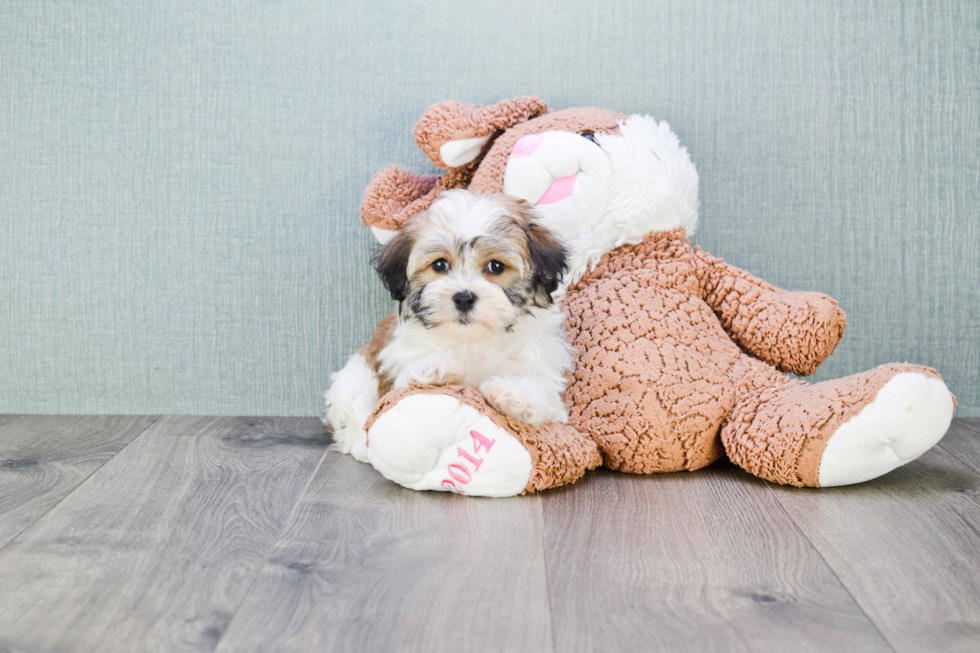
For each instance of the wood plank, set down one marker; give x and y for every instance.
(690, 562)
(157, 549)
(963, 442)
(44, 457)
(907, 547)
(365, 565)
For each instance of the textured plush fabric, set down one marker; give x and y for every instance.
(651, 381)
(490, 177)
(395, 194)
(180, 181)
(673, 346)
(657, 377)
(656, 373)
(459, 120)
(796, 332)
(779, 426)
(559, 453)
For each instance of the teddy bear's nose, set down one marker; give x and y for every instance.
(526, 145)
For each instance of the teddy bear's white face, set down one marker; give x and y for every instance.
(567, 176)
(604, 190)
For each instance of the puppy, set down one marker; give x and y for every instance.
(474, 278)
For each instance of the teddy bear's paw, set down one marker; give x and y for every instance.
(435, 442)
(906, 418)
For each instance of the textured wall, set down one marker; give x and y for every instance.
(179, 181)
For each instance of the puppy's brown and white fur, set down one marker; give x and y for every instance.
(473, 277)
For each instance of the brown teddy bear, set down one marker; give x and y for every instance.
(680, 357)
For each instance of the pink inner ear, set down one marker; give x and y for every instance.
(526, 145)
(559, 189)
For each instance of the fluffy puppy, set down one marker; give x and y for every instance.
(474, 278)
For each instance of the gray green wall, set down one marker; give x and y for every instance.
(179, 180)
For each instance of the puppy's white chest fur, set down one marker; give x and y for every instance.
(521, 372)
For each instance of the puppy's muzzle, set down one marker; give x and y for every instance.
(464, 301)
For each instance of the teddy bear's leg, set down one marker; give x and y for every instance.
(836, 432)
(450, 439)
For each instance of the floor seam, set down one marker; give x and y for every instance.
(547, 578)
(960, 459)
(829, 566)
(156, 418)
(272, 547)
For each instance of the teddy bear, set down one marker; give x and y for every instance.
(680, 358)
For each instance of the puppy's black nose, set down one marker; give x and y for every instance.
(464, 301)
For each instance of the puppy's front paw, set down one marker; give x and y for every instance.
(442, 370)
(521, 403)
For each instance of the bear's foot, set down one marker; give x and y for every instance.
(837, 432)
(910, 414)
(449, 439)
(434, 442)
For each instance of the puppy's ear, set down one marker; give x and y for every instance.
(548, 255)
(391, 263)
(549, 258)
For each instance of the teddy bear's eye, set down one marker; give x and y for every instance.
(440, 265)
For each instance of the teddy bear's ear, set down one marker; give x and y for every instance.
(394, 194)
(453, 134)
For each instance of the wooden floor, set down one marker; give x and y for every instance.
(246, 534)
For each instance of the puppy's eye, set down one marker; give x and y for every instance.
(440, 265)
(589, 137)
(495, 267)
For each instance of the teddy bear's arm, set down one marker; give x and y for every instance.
(793, 331)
